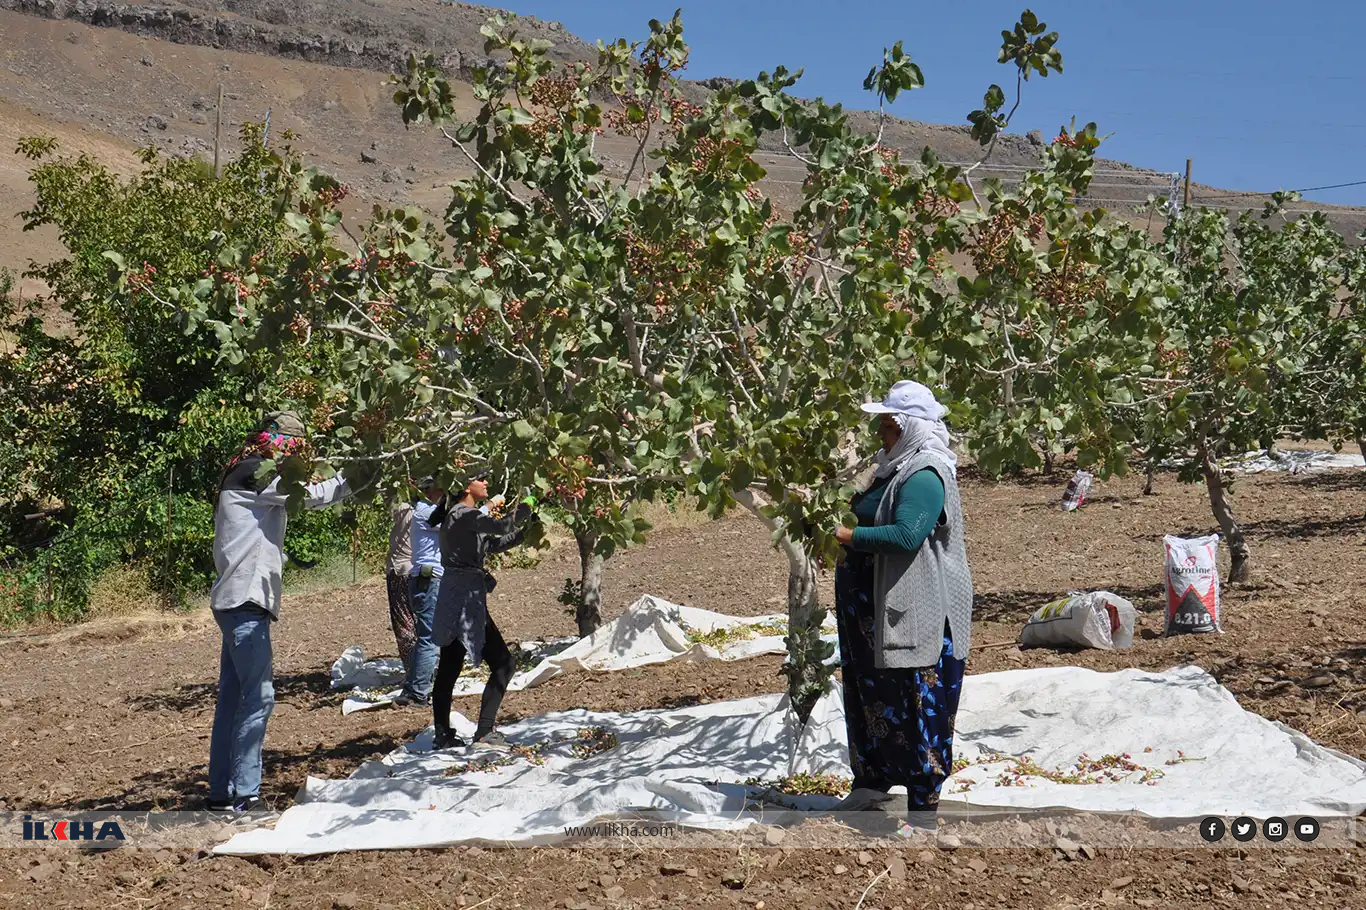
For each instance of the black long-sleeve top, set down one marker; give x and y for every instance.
(469, 535)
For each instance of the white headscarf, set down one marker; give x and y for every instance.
(921, 418)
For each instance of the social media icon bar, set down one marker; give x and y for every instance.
(1212, 829)
(1306, 829)
(1243, 829)
(1275, 829)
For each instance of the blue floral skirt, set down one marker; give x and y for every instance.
(900, 722)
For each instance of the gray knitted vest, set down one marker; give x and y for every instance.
(915, 592)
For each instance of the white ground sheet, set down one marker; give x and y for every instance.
(693, 762)
(1293, 461)
(651, 631)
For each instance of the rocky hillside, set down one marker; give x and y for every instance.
(107, 78)
(352, 33)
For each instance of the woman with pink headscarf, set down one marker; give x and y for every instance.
(250, 517)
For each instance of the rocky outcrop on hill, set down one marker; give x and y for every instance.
(336, 32)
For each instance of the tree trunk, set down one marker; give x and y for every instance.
(588, 611)
(1152, 474)
(1361, 444)
(1241, 570)
(1048, 459)
(805, 669)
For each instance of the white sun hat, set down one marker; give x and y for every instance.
(908, 397)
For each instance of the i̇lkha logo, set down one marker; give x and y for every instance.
(71, 831)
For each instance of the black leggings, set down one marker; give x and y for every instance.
(448, 671)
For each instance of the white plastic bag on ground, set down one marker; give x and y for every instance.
(1192, 584)
(1077, 489)
(345, 667)
(353, 670)
(1096, 620)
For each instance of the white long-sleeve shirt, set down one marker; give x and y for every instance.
(426, 541)
(249, 536)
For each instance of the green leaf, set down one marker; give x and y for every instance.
(298, 222)
(523, 430)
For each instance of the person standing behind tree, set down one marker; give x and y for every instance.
(463, 626)
(397, 568)
(248, 553)
(424, 588)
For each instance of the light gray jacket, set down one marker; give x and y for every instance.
(249, 536)
(915, 592)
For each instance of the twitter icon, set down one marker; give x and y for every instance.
(1243, 829)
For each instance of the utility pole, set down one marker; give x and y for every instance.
(217, 135)
(1187, 203)
(171, 591)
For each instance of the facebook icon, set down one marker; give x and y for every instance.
(1212, 829)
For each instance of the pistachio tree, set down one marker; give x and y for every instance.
(598, 335)
(1317, 380)
(1347, 362)
(1050, 347)
(1250, 346)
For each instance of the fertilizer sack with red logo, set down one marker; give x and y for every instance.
(1192, 584)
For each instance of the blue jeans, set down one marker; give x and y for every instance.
(423, 666)
(246, 696)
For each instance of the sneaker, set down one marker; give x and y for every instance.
(491, 738)
(248, 804)
(407, 699)
(219, 805)
(446, 739)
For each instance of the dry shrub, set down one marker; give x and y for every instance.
(124, 591)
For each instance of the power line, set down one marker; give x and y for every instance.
(1307, 189)
(1306, 77)
(1137, 173)
(1008, 170)
(1155, 176)
(1086, 200)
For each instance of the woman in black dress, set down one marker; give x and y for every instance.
(463, 627)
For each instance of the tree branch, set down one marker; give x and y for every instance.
(347, 329)
(628, 325)
(485, 171)
(754, 503)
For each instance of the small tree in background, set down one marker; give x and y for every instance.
(121, 431)
(1247, 345)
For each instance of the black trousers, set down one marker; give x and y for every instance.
(448, 670)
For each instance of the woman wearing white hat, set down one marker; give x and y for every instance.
(903, 601)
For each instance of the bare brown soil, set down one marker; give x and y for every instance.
(117, 714)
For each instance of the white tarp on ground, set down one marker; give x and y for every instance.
(693, 762)
(1294, 461)
(651, 631)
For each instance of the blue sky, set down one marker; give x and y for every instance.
(1262, 95)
